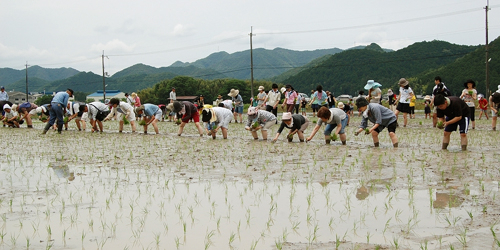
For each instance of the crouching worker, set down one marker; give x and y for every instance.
(126, 111)
(334, 118)
(296, 123)
(25, 111)
(457, 115)
(76, 110)
(152, 114)
(188, 112)
(97, 112)
(381, 117)
(10, 117)
(217, 118)
(259, 120)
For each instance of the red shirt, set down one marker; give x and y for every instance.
(483, 103)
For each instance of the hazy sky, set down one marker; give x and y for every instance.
(62, 33)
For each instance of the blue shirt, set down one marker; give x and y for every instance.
(150, 109)
(4, 96)
(62, 98)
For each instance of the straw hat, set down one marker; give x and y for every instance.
(233, 93)
(427, 97)
(403, 82)
(340, 105)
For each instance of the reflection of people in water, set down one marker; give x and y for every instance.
(362, 193)
(62, 171)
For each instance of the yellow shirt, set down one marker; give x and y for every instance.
(412, 101)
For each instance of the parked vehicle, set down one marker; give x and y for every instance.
(308, 99)
(343, 98)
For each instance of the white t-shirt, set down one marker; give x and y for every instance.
(405, 96)
(468, 98)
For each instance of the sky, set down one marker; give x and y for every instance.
(62, 33)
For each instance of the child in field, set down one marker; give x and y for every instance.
(412, 107)
(296, 123)
(381, 117)
(427, 104)
(10, 118)
(453, 112)
(303, 104)
(483, 106)
(259, 120)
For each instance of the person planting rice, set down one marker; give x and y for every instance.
(483, 106)
(259, 120)
(10, 117)
(150, 114)
(76, 110)
(296, 123)
(97, 112)
(381, 117)
(126, 110)
(453, 112)
(238, 104)
(494, 106)
(188, 112)
(25, 111)
(57, 110)
(215, 119)
(334, 118)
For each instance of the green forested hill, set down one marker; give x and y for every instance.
(347, 72)
(471, 66)
(267, 63)
(10, 76)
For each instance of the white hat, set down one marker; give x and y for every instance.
(286, 116)
(233, 93)
(252, 111)
(283, 90)
(340, 105)
(261, 87)
(6, 106)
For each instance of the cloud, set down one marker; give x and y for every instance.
(113, 46)
(182, 30)
(31, 53)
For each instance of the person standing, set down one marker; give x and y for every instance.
(413, 101)
(427, 108)
(219, 100)
(440, 88)
(173, 98)
(483, 106)
(381, 117)
(290, 98)
(151, 114)
(272, 100)
(392, 100)
(331, 99)
(403, 101)
(58, 109)
(261, 98)
(137, 103)
(494, 106)
(453, 112)
(374, 92)
(469, 96)
(317, 99)
(188, 112)
(259, 120)
(3, 94)
(238, 104)
(296, 123)
(333, 118)
(123, 108)
(130, 101)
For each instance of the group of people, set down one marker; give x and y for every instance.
(450, 112)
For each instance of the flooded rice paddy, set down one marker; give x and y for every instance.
(81, 190)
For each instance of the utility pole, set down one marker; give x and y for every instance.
(103, 80)
(486, 49)
(251, 62)
(27, 81)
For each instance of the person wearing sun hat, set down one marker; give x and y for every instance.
(238, 104)
(188, 112)
(381, 117)
(10, 117)
(333, 118)
(469, 95)
(296, 123)
(216, 118)
(374, 92)
(403, 101)
(259, 120)
(261, 97)
(427, 104)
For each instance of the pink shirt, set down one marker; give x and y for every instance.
(137, 101)
(290, 97)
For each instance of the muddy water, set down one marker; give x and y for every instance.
(130, 191)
